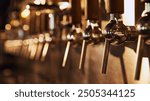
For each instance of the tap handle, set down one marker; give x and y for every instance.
(66, 54)
(76, 11)
(115, 6)
(139, 53)
(93, 9)
(105, 57)
(83, 55)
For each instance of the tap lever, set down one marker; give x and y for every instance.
(86, 39)
(105, 56)
(83, 55)
(66, 54)
(139, 53)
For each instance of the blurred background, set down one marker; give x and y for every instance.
(64, 42)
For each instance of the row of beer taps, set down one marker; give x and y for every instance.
(115, 33)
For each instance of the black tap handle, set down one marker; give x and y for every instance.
(115, 6)
(93, 9)
(76, 11)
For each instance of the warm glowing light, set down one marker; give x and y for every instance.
(8, 27)
(48, 38)
(26, 27)
(39, 51)
(50, 15)
(47, 11)
(37, 2)
(45, 50)
(35, 40)
(38, 13)
(43, 2)
(41, 38)
(25, 42)
(27, 6)
(15, 23)
(64, 5)
(12, 44)
(33, 51)
(25, 13)
(129, 12)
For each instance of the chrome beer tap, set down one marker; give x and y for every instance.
(143, 28)
(76, 32)
(115, 32)
(92, 33)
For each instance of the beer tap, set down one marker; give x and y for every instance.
(76, 32)
(48, 39)
(115, 32)
(45, 27)
(92, 33)
(143, 28)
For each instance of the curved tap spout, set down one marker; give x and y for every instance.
(115, 33)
